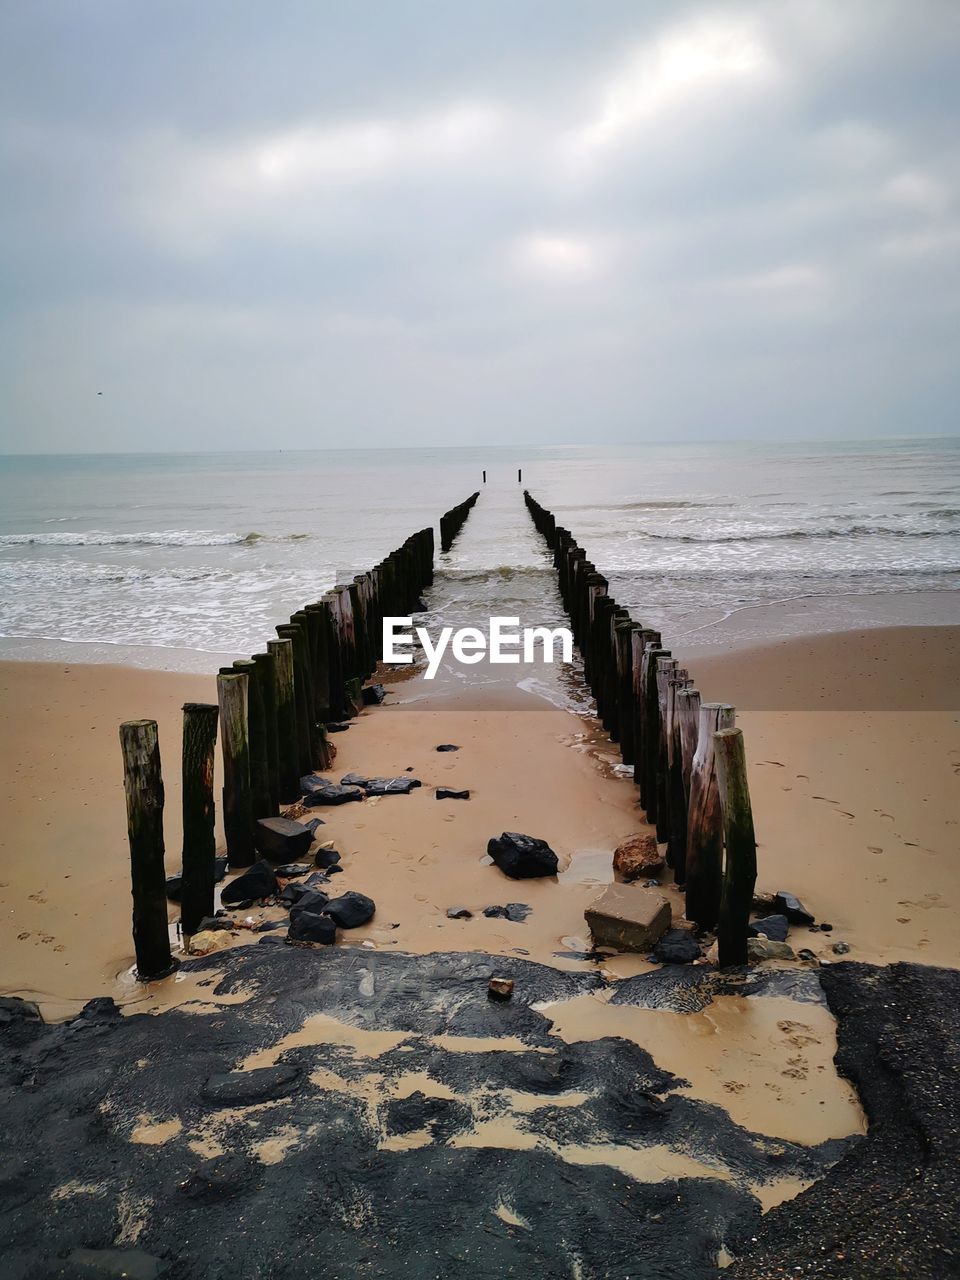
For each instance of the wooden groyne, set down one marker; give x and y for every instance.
(452, 521)
(688, 759)
(272, 713)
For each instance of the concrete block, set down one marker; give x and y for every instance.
(629, 918)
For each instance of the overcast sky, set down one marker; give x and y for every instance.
(293, 224)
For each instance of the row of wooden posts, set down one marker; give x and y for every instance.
(453, 520)
(688, 758)
(271, 711)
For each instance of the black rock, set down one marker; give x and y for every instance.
(459, 913)
(14, 1009)
(307, 926)
(825, 928)
(313, 782)
(219, 1178)
(332, 794)
(773, 927)
(220, 866)
(792, 908)
(522, 857)
(354, 780)
(391, 786)
(312, 823)
(515, 911)
(290, 870)
(174, 884)
(215, 922)
(351, 909)
(447, 793)
(337, 726)
(239, 1088)
(447, 746)
(373, 695)
(309, 900)
(327, 858)
(677, 946)
(268, 926)
(282, 839)
(806, 954)
(334, 870)
(258, 882)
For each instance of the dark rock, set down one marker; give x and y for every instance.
(840, 948)
(282, 839)
(334, 871)
(174, 884)
(391, 786)
(313, 782)
(825, 928)
(515, 911)
(220, 866)
(308, 900)
(327, 858)
(215, 922)
(351, 909)
(219, 1178)
(240, 1088)
(290, 870)
(522, 857)
(332, 794)
(13, 1009)
(313, 823)
(99, 1010)
(354, 780)
(806, 954)
(442, 1116)
(792, 908)
(774, 927)
(677, 946)
(258, 882)
(459, 913)
(268, 926)
(447, 793)
(337, 726)
(447, 746)
(308, 926)
(373, 695)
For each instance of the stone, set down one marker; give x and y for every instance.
(522, 857)
(327, 858)
(354, 780)
(174, 884)
(628, 918)
(806, 954)
(307, 899)
(314, 782)
(373, 695)
(677, 946)
(332, 794)
(447, 746)
(459, 913)
(337, 726)
(310, 926)
(351, 910)
(281, 839)
(825, 928)
(840, 948)
(515, 911)
(447, 793)
(500, 988)
(764, 903)
(218, 1178)
(215, 922)
(637, 857)
(290, 870)
(259, 882)
(208, 940)
(220, 866)
(773, 927)
(15, 1009)
(792, 908)
(767, 949)
(241, 1088)
(391, 786)
(334, 871)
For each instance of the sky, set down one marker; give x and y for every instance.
(300, 224)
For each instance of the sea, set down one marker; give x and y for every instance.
(179, 561)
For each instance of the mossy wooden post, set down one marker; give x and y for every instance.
(143, 786)
(651, 730)
(234, 748)
(705, 822)
(740, 862)
(287, 744)
(267, 680)
(199, 813)
(257, 742)
(293, 633)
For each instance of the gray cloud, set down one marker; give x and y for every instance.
(316, 223)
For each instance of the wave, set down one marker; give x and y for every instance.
(794, 535)
(160, 538)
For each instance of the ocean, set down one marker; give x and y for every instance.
(178, 561)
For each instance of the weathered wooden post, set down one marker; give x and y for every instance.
(287, 743)
(267, 680)
(665, 669)
(143, 786)
(740, 863)
(294, 633)
(705, 822)
(688, 720)
(199, 812)
(257, 742)
(676, 792)
(650, 735)
(234, 748)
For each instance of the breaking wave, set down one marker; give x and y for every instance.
(160, 538)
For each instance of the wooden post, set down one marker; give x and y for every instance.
(651, 730)
(143, 786)
(740, 864)
(267, 680)
(199, 812)
(257, 742)
(665, 669)
(705, 822)
(676, 792)
(294, 633)
(688, 718)
(287, 744)
(234, 748)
